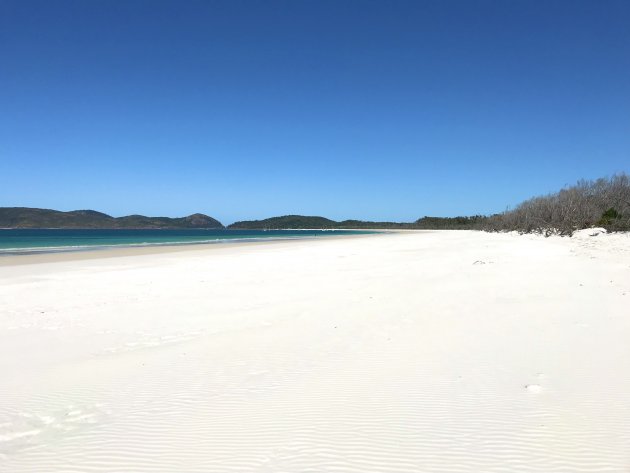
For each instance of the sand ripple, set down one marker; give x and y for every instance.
(297, 370)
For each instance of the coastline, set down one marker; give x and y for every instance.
(53, 256)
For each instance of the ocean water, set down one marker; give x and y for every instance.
(28, 241)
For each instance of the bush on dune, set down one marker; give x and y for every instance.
(603, 202)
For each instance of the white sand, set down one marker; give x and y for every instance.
(414, 352)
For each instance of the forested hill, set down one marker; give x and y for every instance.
(305, 222)
(286, 221)
(24, 217)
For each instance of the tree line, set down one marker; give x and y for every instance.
(603, 202)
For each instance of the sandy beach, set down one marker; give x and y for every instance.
(402, 352)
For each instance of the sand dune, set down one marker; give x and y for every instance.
(409, 352)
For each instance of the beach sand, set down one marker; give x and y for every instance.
(406, 352)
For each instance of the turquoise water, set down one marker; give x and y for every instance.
(27, 241)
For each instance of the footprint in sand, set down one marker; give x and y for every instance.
(533, 388)
(26, 429)
(150, 341)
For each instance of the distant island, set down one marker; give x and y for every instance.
(313, 222)
(24, 217)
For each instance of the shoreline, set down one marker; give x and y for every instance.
(8, 259)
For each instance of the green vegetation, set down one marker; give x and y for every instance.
(609, 218)
(284, 222)
(360, 224)
(23, 217)
(451, 223)
(306, 222)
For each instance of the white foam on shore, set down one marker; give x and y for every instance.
(388, 353)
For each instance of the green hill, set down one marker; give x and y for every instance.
(285, 222)
(307, 222)
(24, 217)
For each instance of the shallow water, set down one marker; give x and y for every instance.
(26, 241)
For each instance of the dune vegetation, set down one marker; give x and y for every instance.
(602, 202)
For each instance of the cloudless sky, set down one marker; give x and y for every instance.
(380, 110)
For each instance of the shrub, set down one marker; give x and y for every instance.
(604, 202)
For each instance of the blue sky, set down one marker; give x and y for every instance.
(247, 109)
